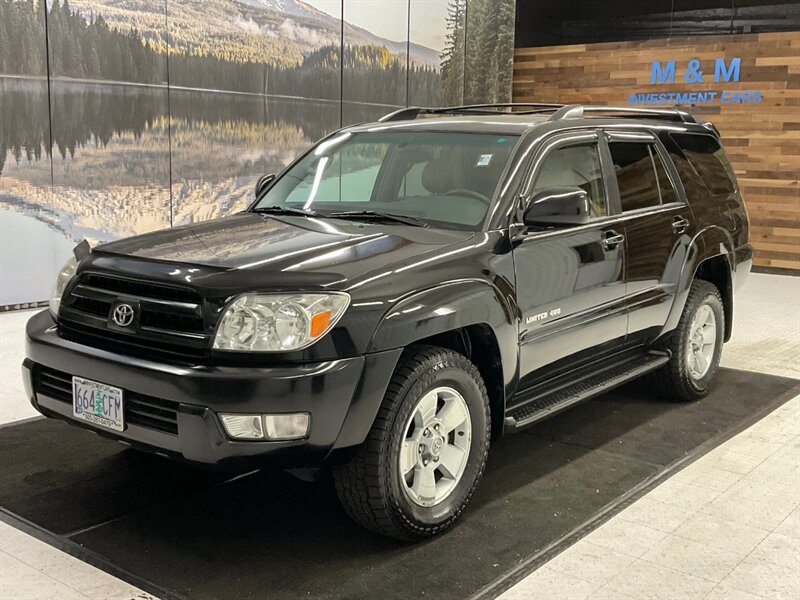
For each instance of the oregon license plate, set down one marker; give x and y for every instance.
(97, 403)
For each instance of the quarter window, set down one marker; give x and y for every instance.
(575, 166)
(708, 160)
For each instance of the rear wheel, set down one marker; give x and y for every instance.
(696, 345)
(427, 449)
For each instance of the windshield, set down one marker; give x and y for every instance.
(442, 179)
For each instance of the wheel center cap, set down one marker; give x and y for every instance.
(436, 446)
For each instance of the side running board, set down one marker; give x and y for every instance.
(538, 403)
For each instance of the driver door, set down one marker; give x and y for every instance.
(570, 278)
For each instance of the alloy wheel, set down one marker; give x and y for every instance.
(435, 448)
(702, 342)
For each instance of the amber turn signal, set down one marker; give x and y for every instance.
(320, 323)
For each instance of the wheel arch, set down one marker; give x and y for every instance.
(471, 317)
(717, 270)
(710, 257)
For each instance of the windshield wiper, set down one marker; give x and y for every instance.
(378, 216)
(285, 210)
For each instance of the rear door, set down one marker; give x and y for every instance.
(658, 226)
(569, 279)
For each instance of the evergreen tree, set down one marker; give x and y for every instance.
(454, 54)
(91, 58)
(4, 39)
(489, 51)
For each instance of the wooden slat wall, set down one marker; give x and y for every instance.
(762, 140)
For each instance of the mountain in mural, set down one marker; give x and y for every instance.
(278, 32)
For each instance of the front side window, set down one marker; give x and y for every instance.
(575, 166)
(636, 174)
(446, 179)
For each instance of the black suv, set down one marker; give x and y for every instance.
(405, 292)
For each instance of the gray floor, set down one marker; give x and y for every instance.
(728, 526)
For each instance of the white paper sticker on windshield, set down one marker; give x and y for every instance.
(484, 160)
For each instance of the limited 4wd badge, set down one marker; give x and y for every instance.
(542, 316)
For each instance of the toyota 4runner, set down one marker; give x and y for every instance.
(405, 292)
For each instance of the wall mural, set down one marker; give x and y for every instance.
(123, 116)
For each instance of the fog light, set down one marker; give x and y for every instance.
(244, 427)
(267, 427)
(286, 427)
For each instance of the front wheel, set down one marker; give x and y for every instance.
(696, 345)
(427, 449)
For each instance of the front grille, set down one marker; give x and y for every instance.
(170, 318)
(131, 345)
(142, 410)
(145, 289)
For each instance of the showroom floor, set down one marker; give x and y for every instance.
(726, 526)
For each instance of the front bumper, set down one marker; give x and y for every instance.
(342, 396)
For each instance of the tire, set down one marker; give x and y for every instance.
(371, 487)
(685, 379)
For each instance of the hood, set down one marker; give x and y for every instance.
(250, 241)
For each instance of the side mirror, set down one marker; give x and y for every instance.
(558, 206)
(263, 183)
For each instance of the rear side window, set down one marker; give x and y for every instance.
(636, 174)
(707, 160)
(665, 187)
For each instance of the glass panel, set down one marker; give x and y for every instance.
(760, 16)
(374, 77)
(443, 178)
(575, 166)
(350, 173)
(230, 121)
(664, 184)
(489, 51)
(556, 22)
(708, 159)
(34, 238)
(109, 115)
(436, 74)
(701, 17)
(636, 176)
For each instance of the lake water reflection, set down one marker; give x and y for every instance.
(127, 159)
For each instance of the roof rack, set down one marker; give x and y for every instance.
(560, 111)
(578, 111)
(412, 112)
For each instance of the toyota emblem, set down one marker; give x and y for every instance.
(123, 315)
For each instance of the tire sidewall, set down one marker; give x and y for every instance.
(713, 301)
(436, 375)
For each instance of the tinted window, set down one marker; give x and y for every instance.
(636, 174)
(708, 160)
(664, 184)
(575, 166)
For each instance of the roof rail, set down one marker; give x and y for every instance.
(560, 111)
(578, 111)
(412, 112)
(468, 107)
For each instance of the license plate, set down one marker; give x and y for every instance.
(97, 403)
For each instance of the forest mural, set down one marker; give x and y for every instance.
(118, 117)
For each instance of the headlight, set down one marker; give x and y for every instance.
(66, 273)
(278, 322)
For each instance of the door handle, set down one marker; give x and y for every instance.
(680, 224)
(612, 239)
